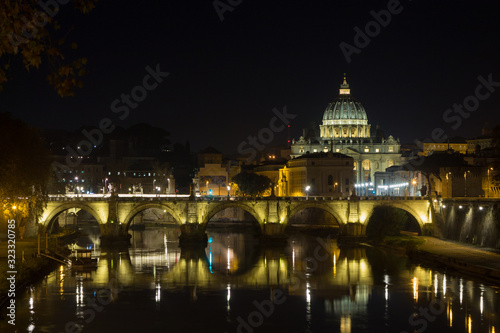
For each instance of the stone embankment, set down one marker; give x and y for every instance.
(480, 263)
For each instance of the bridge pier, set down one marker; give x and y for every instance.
(114, 234)
(193, 234)
(352, 233)
(273, 233)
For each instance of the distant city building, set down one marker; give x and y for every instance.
(459, 145)
(477, 144)
(467, 181)
(346, 130)
(214, 175)
(317, 174)
(396, 181)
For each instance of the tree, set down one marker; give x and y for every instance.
(429, 165)
(30, 33)
(25, 170)
(252, 184)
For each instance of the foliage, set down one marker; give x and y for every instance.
(31, 34)
(385, 221)
(24, 169)
(430, 165)
(252, 184)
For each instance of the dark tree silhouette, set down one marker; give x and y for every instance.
(252, 184)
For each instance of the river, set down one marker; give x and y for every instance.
(237, 285)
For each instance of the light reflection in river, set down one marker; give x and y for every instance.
(327, 288)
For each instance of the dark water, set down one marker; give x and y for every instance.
(235, 285)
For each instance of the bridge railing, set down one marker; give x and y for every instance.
(183, 197)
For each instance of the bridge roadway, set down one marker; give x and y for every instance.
(115, 213)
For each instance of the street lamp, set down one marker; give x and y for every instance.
(307, 190)
(489, 182)
(154, 185)
(228, 189)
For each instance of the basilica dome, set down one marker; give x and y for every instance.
(345, 117)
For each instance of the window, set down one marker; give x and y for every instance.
(377, 150)
(337, 150)
(391, 149)
(347, 182)
(366, 165)
(367, 150)
(330, 180)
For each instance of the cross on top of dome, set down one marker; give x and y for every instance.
(344, 87)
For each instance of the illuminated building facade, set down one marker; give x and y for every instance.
(346, 130)
(317, 174)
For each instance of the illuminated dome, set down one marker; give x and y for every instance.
(345, 117)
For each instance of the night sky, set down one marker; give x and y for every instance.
(227, 76)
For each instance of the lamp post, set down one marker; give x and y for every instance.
(154, 186)
(228, 189)
(76, 186)
(489, 182)
(307, 190)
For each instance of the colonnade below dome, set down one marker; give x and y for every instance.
(344, 131)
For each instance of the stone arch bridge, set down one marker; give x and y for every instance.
(115, 213)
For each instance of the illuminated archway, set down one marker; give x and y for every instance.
(130, 216)
(51, 217)
(320, 206)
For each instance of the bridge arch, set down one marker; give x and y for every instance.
(221, 206)
(408, 209)
(136, 210)
(65, 206)
(312, 204)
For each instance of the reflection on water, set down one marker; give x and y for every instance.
(235, 285)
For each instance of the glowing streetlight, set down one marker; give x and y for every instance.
(307, 190)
